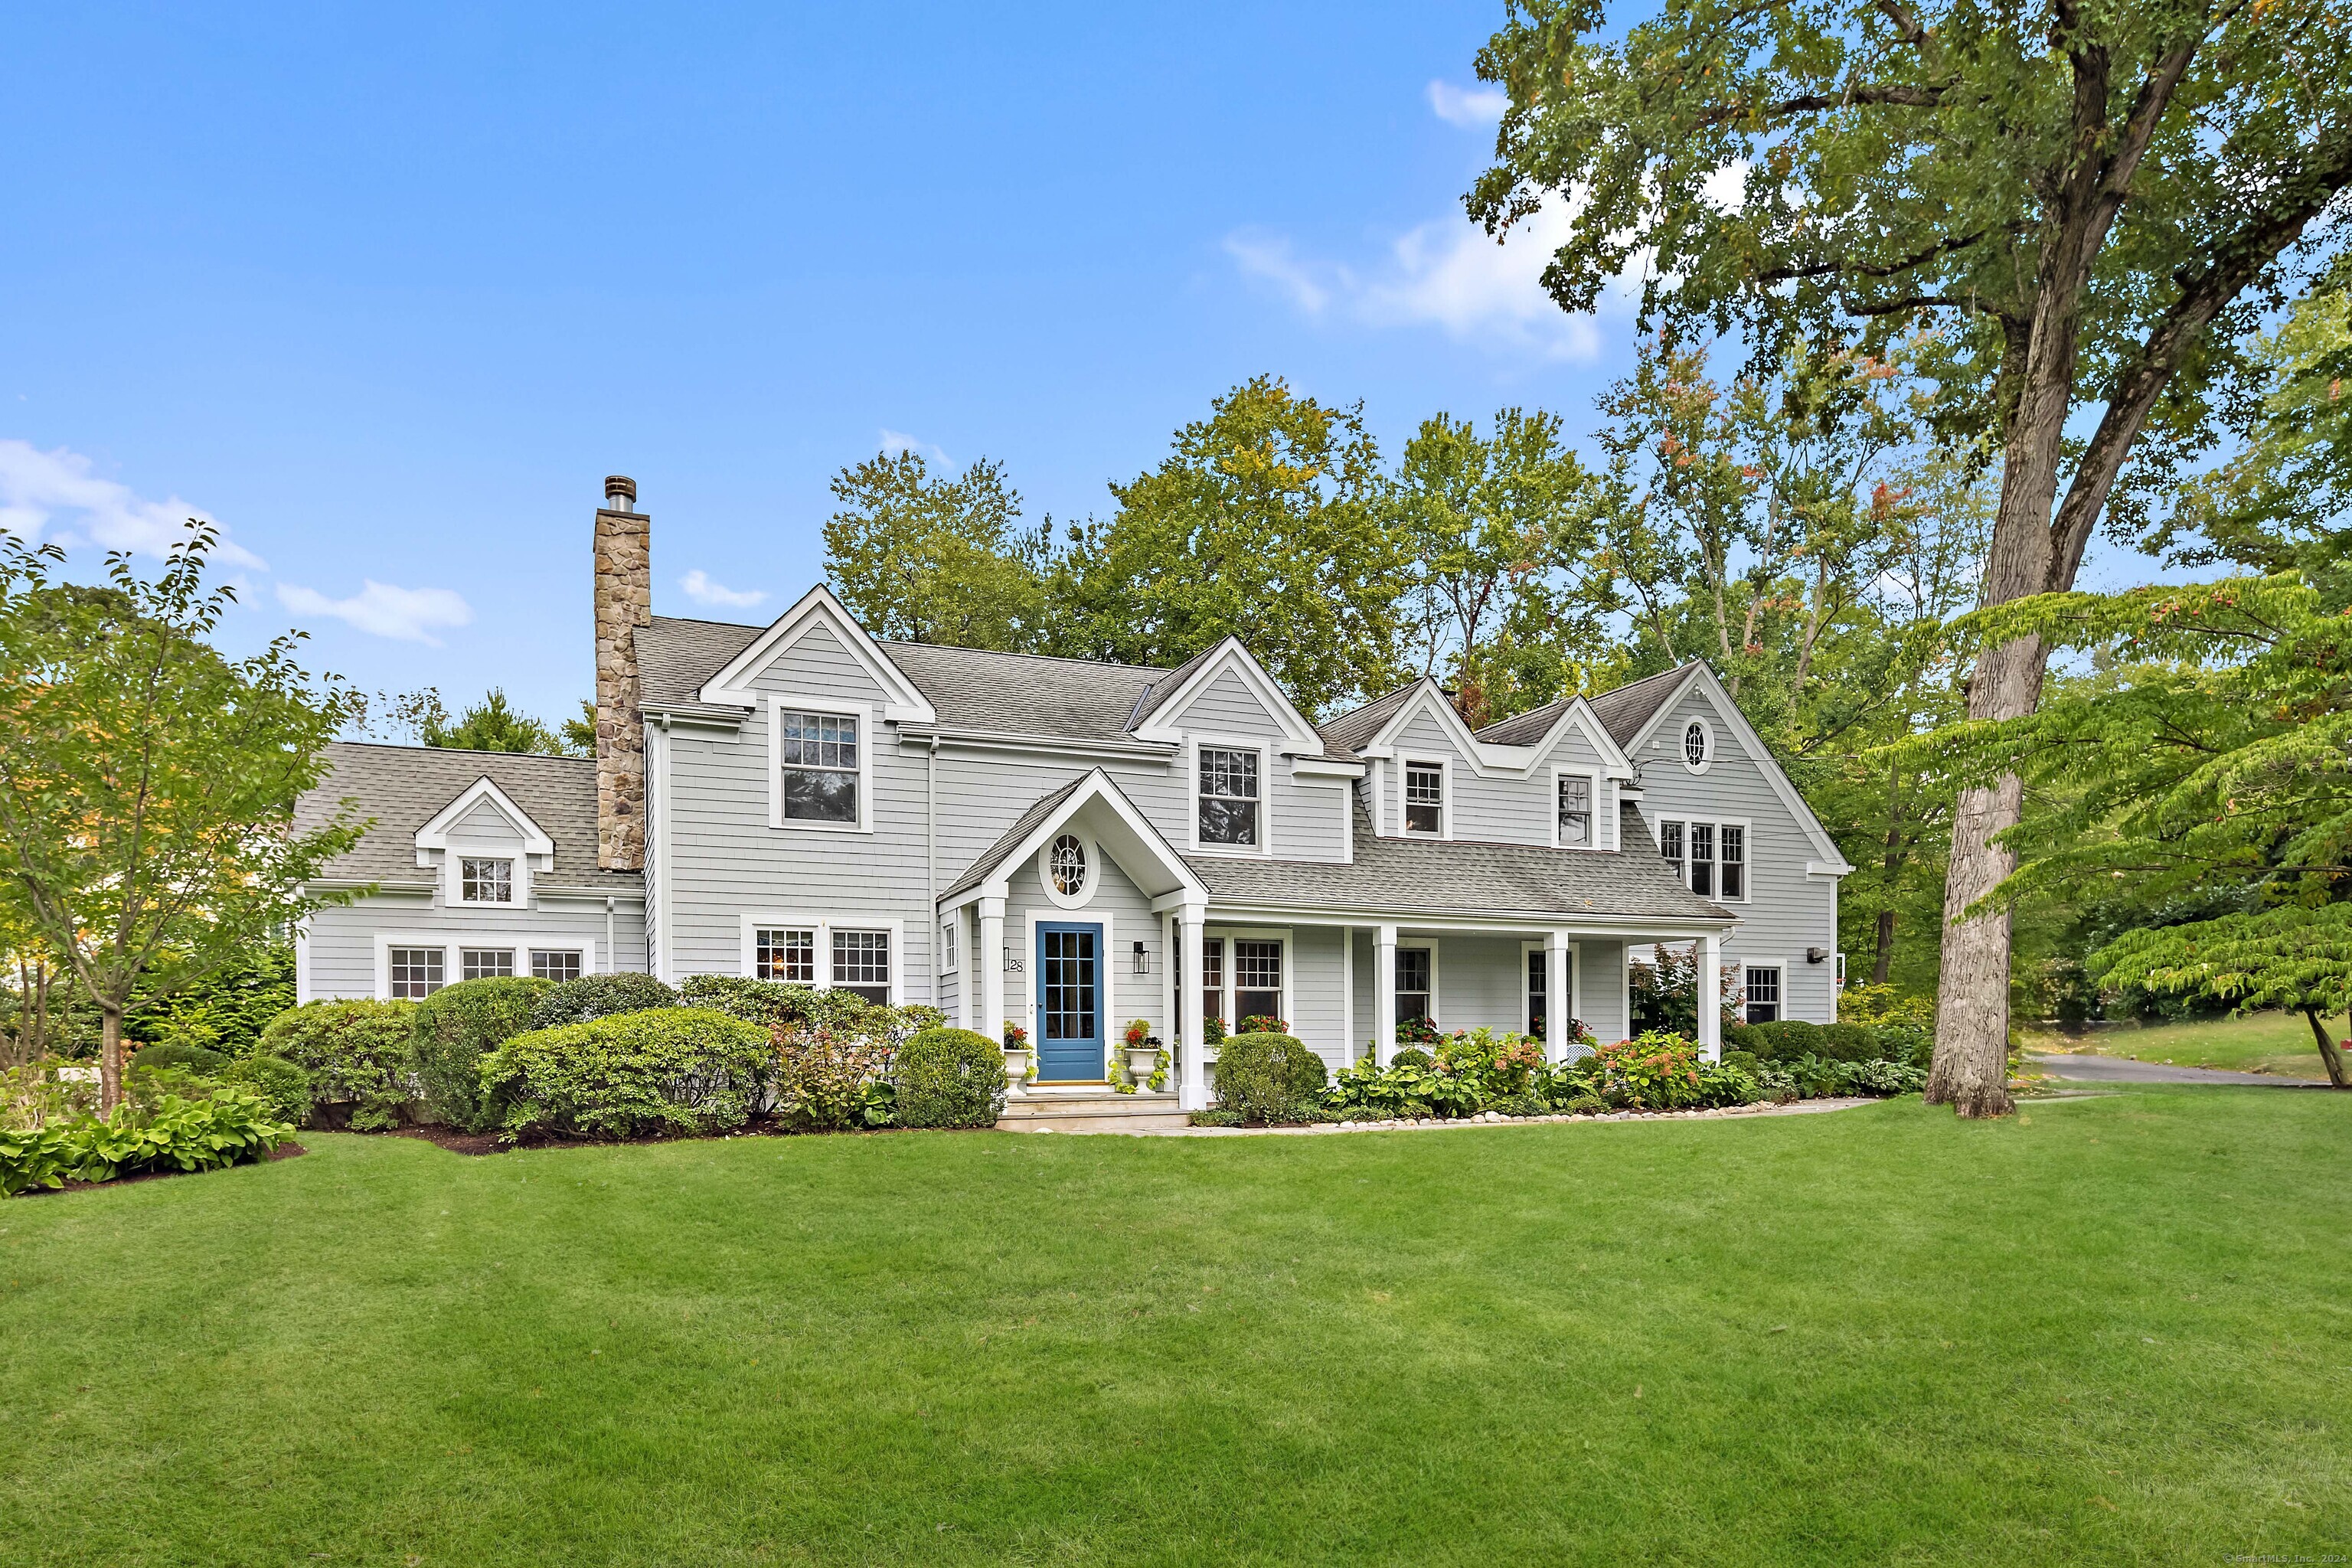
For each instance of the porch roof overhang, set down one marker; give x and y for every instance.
(1598, 925)
(1100, 807)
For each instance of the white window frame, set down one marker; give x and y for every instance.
(1747, 850)
(453, 944)
(756, 921)
(1527, 996)
(1779, 983)
(465, 947)
(1435, 967)
(1682, 731)
(1592, 777)
(1085, 894)
(515, 881)
(950, 943)
(781, 703)
(1193, 746)
(1445, 767)
(1231, 968)
(530, 956)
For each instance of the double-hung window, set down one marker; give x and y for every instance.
(1424, 797)
(948, 944)
(1576, 811)
(1257, 980)
(1212, 978)
(1763, 994)
(415, 973)
(1229, 798)
(1414, 970)
(861, 963)
(484, 882)
(487, 963)
(554, 964)
(786, 953)
(1711, 858)
(819, 756)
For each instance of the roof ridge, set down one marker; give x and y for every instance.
(1009, 653)
(699, 621)
(466, 751)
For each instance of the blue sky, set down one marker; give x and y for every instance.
(388, 290)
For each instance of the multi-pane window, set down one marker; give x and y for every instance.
(820, 763)
(1412, 972)
(861, 963)
(784, 953)
(1694, 743)
(1711, 858)
(1538, 990)
(486, 962)
(485, 881)
(1424, 797)
(1257, 980)
(415, 973)
(1066, 863)
(1066, 995)
(1212, 978)
(1763, 996)
(1575, 811)
(548, 963)
(1229, 797)
(948, 944)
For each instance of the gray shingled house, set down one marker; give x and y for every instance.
(1071, 846)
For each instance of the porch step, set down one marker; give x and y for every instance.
(1091, 1110)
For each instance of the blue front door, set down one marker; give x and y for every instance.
(1069, 1003)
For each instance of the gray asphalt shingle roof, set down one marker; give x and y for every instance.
(1350, 731)
(993, 856)
(1621, 712)
(1421, 877)
(403, 787)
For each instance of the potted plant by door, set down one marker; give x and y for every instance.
(1142, 1049)
(1016, 1053)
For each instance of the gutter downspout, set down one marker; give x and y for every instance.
(931, 859)
(611, 958)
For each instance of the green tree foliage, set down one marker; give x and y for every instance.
(493, 725)
(919, 557)
(147, 783)
(2289, 957)
(223, 1010)
(2075, 197)
(1267, 523)
(1497, 530)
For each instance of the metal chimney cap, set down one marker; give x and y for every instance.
(620, 493)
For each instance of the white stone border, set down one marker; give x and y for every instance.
(1497, 1118)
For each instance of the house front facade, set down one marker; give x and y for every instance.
(1070, 846)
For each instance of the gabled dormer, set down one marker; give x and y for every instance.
(1239, 738)
(485, 848)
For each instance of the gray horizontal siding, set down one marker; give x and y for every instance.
(339, 944)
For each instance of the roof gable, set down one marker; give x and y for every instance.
(1165, 720)
(1703, 682)
(1140, 849)
(436, 832)
(904, 701)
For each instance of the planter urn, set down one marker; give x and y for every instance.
(1016, 1068)
(1140, 1061)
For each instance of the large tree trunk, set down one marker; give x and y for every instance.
(2329, 1057)
(111, 1061)
(1885, 960)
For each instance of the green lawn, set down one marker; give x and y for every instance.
(2110, 1330)
(2259, 1042)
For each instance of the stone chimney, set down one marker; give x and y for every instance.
(624, 600)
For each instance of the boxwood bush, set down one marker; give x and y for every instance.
(950, 1078)
(669, 1070)
(196, 1059)
(1267, 1077)
(455, 1028)
(357, 1054)
(283, 1086)
(600, 996)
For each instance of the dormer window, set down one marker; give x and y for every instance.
(1229, 798)
(485, 881)
(1424, 798)
(1575, 811)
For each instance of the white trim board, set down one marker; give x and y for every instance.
(904, 702)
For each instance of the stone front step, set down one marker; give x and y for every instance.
(1091, 1110)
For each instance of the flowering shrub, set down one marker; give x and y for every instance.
(1655, 1070)
(1417, 1032)
(1259, 1024)
(822, 1073)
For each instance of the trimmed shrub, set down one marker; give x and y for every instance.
(772, 1004)
(600, 996)
(1585, 1104)
(284, 1086)
(356, 1053)
(1212, 1117)
(665, 1072)
(1413, 1057)
(196, 1059)
(950, 1078)
(1267, 1077)
(456, 1027)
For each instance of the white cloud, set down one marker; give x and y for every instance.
(57, 495)
(896, 441)
(703, 591)
(1467, 105)
(407, 614)
(1448, 274)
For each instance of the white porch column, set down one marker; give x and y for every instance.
(1710, 996)
(988, 960)
(1557, 1003)
(1384, 942)
(1193, 1088)
(1348, 995)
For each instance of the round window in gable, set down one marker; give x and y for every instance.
(1065, 864)
(1698, 745)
